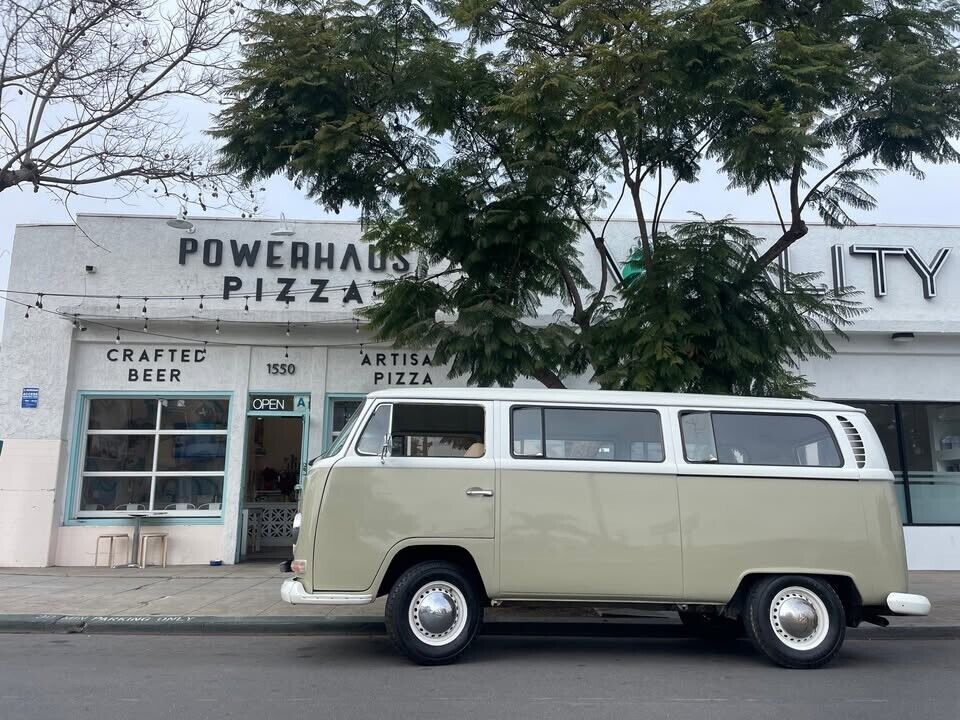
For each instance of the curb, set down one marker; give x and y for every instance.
(212, 625)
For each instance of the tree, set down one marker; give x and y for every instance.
(490, 156)
(831, 85)
(86, 88)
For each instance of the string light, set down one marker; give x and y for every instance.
(118, 304)
(361, 348)
(286, 354)
(356, 325)
(288, 328)
(143, 310)
(145, 319)
(117, 341)
(76, 323)
(246, 303)
(27, 313)
(218, 326)
(40, 300)
(201, 304)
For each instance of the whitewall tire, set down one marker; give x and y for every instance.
(795, 620)
(433, 612)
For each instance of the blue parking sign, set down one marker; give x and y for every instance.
(30, 397)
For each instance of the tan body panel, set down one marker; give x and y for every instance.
(733, 526)
(369, 508)
(589, 534)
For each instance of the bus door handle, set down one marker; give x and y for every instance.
(479, 492)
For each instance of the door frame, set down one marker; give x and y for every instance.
(303, 412)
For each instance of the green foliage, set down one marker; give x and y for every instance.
(483, 136)
(705, 320)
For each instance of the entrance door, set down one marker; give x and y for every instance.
(274, 467)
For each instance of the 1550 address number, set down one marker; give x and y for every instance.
(281, 369)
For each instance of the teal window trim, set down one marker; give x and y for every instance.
(69, 518)
(329, 399)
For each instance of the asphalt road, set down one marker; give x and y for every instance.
(45, 677)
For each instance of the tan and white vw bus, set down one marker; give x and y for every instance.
(773, 517)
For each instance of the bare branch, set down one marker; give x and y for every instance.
(86, 90)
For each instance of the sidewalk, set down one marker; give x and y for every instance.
(246, 598)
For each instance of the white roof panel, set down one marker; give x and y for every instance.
(608, 397)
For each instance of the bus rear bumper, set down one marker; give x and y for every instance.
(907, 604)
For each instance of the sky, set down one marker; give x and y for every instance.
(901, 199)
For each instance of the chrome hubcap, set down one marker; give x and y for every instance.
(799, 618)
(438, 613)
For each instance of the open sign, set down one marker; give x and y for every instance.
(272, 403)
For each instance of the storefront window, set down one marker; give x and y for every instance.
(342, 411)
(922, 444)
(155, 454)
(931, 433)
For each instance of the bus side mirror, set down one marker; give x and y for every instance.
(385, 449)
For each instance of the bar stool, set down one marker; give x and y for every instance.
(144, 541)
(111, 537)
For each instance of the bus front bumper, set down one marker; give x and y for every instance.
(907, 604)
(293, 592)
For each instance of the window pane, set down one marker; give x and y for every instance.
(115, 493)
(527, 432)
(698, 442)
(194, 414)
(437, 431)
(371, 441)
(932, 446)
(343, 410)
(122, 414)
(119, 453)
(593, 434)
(767, 439)
(188, 493)
(192, 452)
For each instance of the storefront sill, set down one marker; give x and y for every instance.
(114, 521)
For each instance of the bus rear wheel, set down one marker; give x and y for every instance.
(795, 620)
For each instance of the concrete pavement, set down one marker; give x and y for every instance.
(234, 598)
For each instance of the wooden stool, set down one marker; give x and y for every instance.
(144, 545)
(111, 537)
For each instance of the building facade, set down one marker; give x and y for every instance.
(181, 380)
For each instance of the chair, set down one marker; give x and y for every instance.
(145, 539)
(209, 506)
(131, 506)
(111, 537)
(181, 506)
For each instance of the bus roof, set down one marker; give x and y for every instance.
(608, 397)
